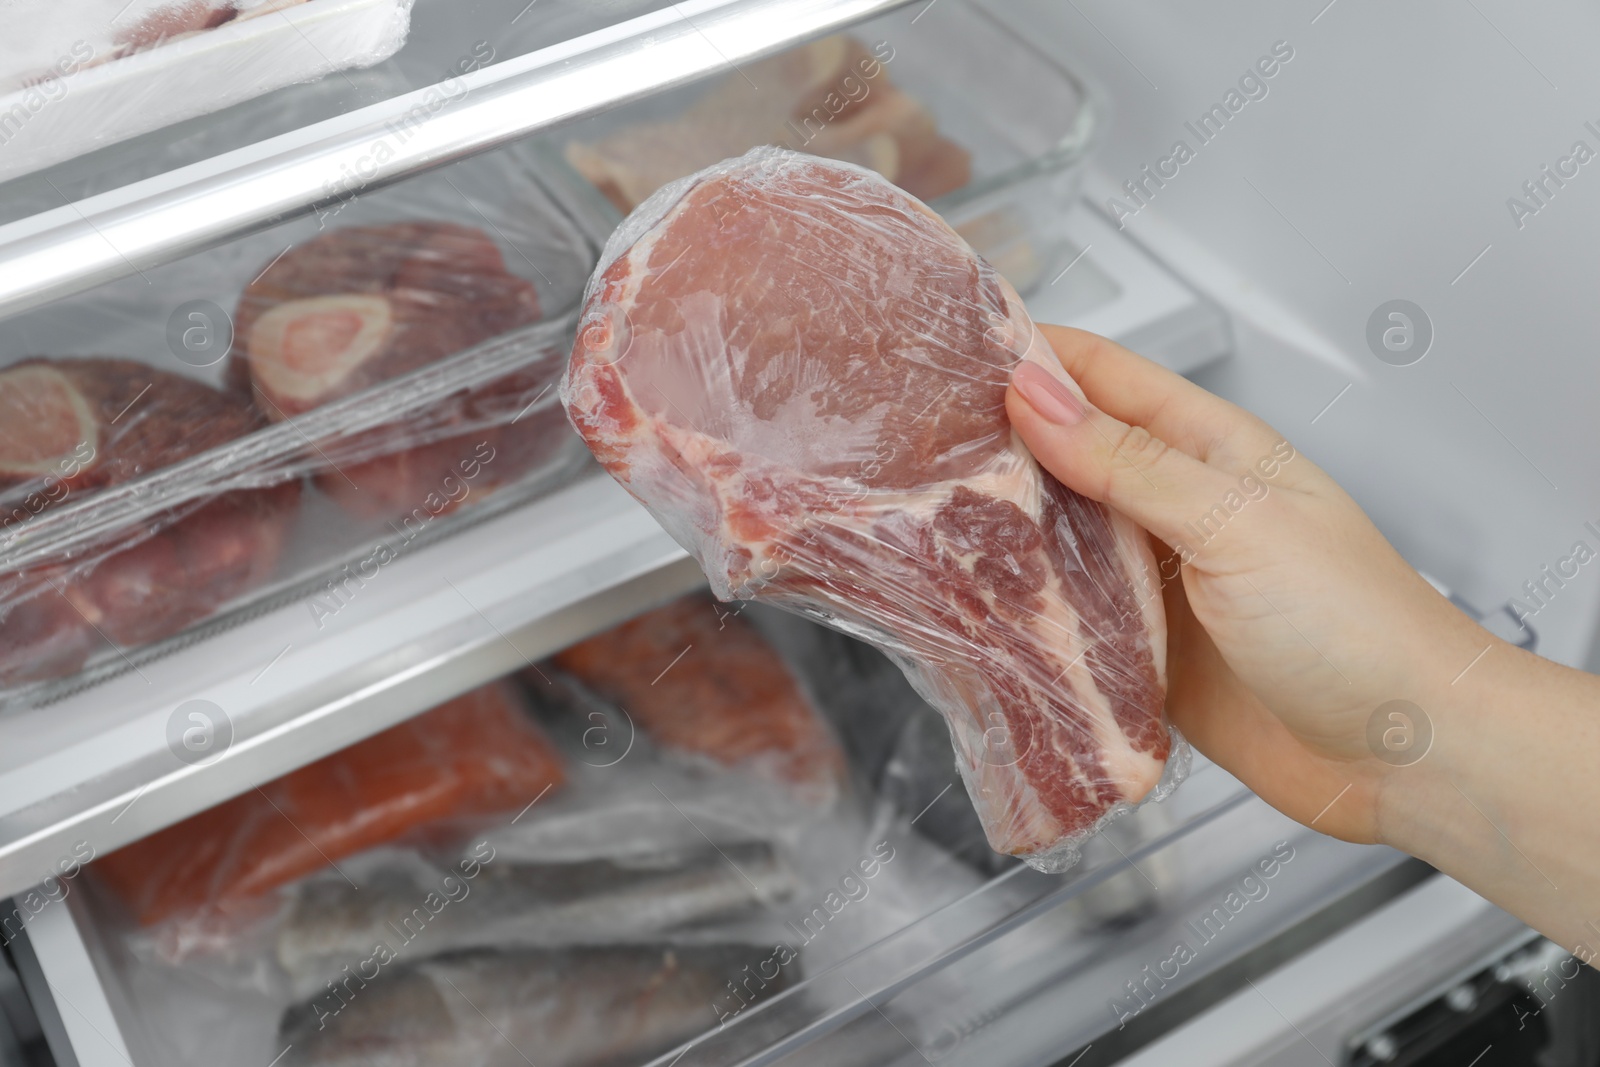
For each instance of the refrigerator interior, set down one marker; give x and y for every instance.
(1374, 167)
(946, 951)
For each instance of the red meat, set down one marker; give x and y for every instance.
(475, 755)
(831, 95)
(90, 424)
(801, 371)
(173, 21)
(364, 305)
(698, 679)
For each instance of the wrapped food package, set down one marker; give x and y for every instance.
(833, 96)
(576, 1007)
(801, 371)
(472, 756)
(398, 357)
(699, 679)
(72, 428)
(76, 75)
(365, 304)
(647, 900)
(51, 39)
(331, 924)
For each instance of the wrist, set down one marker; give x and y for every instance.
(1424, 791)
(1478, 704)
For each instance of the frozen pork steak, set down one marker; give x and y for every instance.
(801, 371)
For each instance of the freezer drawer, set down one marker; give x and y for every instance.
(1023, 970)
(1159, 924)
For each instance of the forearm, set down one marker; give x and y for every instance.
(1507, 800)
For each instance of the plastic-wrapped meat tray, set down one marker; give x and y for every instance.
(76, 75)
(224, 431)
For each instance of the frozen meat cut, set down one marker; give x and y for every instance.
(367, 304)
(697, 678)
(73, 427)
(364, 304)
(472, 756)
(833, 97)
(576, 1007)
(801, 371)
(624, 898)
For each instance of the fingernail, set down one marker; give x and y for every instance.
(1046, 394)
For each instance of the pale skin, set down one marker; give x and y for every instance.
(1292, 623)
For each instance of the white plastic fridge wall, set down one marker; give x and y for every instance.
(1377, 167)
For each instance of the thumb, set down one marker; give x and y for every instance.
(1126, 467)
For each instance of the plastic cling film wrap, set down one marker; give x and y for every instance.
(76, 75)
(361, 305)
(801, 371)
(472, 756)
(636, 849)
(99, 31)
(699, 680)
(834, 95)
(69, 428)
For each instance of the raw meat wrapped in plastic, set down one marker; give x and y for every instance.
(698, 679)
(575, 1007)
(477, 754)
(72, 428)
(76, 75)
(331, 923)
(365, 304)
(833, 96)
(801, 371)
(406, 362)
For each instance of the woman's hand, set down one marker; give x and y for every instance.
(1294, 619)
(1292, 622)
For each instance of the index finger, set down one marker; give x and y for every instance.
(1140, 392)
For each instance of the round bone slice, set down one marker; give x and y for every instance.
(45, 418)
(302, 350)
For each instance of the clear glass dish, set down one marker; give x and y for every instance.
(909, 93)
